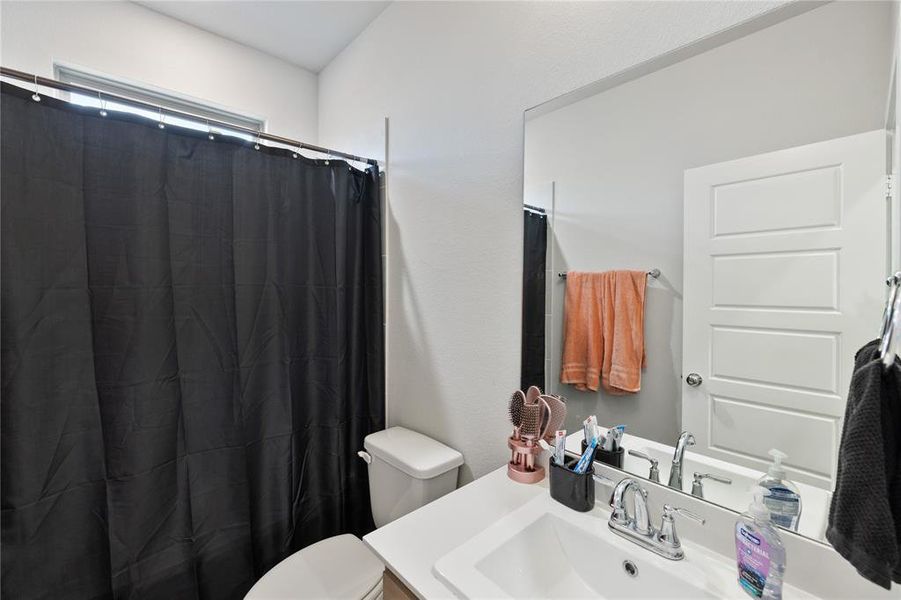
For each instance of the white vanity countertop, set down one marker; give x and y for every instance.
(411, 545)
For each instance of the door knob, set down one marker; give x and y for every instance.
(694, 380)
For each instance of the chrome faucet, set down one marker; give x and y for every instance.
(697, 486)
(675, 472)
(639, 522)
(638, 529)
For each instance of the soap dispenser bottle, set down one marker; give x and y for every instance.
(759, 551)
(784, 500)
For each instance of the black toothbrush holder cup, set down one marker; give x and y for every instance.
(614, 458)
(573, 490)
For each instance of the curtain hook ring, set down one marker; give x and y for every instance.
(103, 112)
(209, 131)
(161, 124)
(256, 144)
(328, 157)
(36, 96)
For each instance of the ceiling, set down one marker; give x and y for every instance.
(307, 33)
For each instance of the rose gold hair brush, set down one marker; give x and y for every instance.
(556, 415)
(517, 402)
(522, 467)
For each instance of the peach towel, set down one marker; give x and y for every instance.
(603, 331)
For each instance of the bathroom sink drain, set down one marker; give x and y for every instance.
(630, 568)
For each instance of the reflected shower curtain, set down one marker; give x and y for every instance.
(192, 354)
(534, 263)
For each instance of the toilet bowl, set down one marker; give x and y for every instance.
(336, 567)
(407, 470)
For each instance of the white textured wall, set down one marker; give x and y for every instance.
(127, 40)
(454, 78)
(617, 161)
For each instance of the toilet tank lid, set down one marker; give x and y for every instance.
(415, 454)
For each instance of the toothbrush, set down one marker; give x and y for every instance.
(585, 461)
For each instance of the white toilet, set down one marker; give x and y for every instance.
(406, 470)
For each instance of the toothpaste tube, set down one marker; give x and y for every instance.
(621, 431)
(560, 446)
(590, 428)
(585, 461)
(614, 436)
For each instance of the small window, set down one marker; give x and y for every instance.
(166, 99)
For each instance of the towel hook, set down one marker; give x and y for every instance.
(36, 96)
(891, 321)
(889, 343)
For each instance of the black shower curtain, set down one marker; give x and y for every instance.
(534, 263)
(192, 353)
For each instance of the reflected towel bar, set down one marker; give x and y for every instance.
(655, 273)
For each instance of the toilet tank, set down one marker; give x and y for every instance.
(407, 470)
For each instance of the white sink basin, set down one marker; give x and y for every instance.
(545, 550)
(570, 565)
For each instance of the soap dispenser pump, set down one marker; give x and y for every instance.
(784, 499)
(776, 469)
(759, 551)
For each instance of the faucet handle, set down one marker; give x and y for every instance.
(670, 510)
(697, 487)
(654, 473)
(667, 535)
(700, 476)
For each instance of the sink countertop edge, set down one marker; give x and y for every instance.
(412, 545)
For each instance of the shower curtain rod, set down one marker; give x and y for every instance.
(37, 80)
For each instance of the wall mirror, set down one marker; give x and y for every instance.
(749, 178)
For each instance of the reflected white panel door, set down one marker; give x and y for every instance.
(785, 260)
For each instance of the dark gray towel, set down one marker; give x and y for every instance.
(865, 515)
